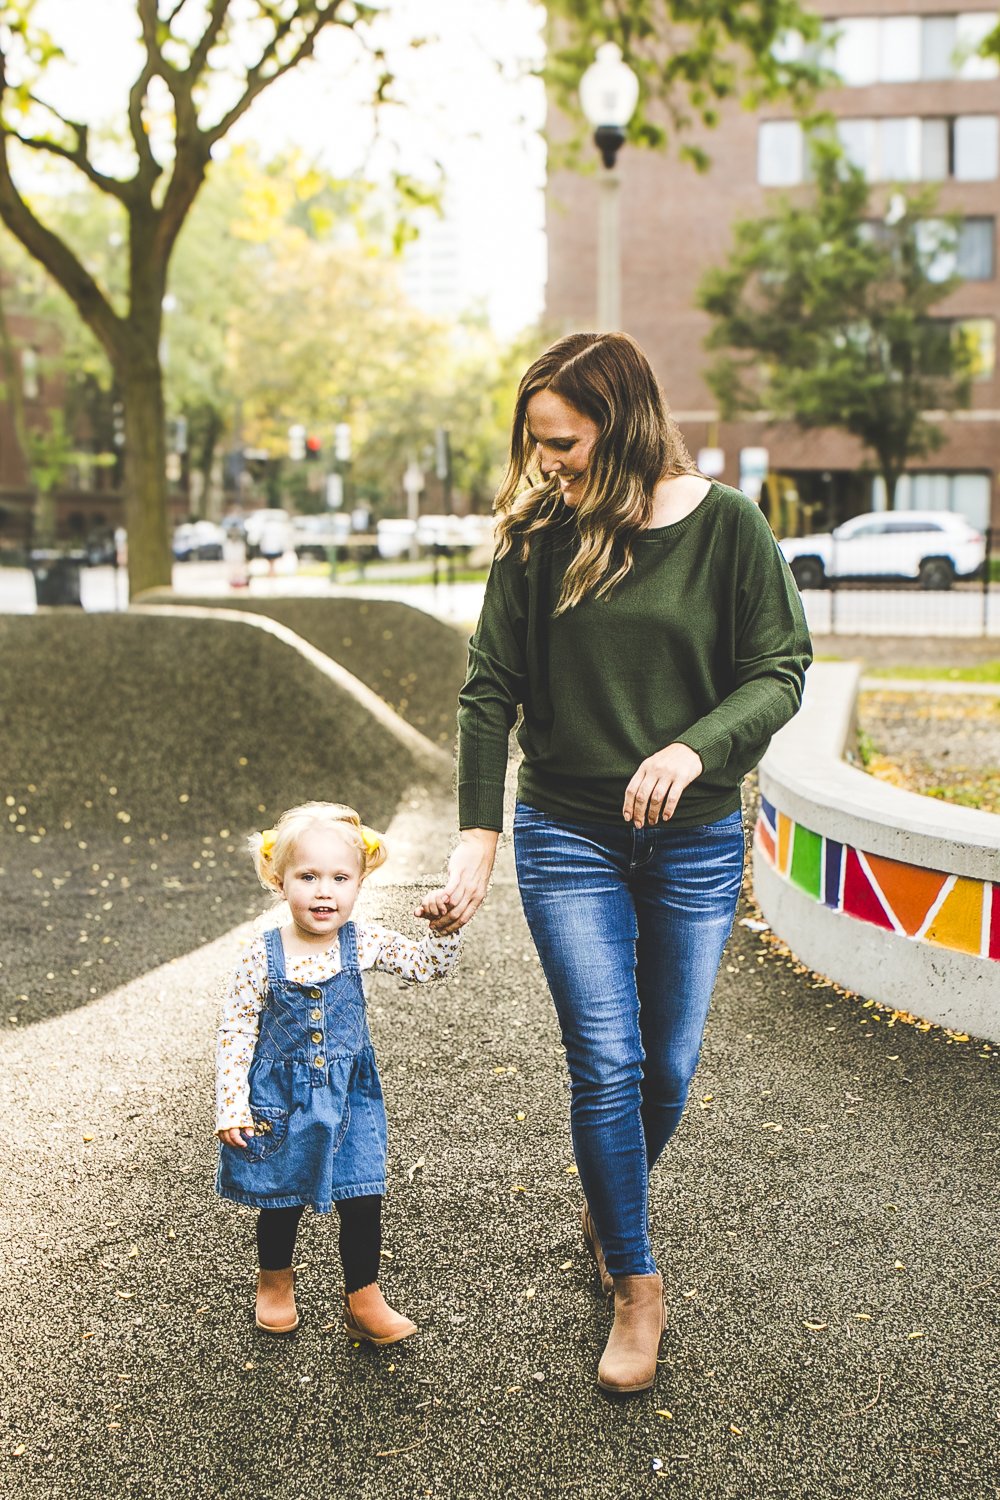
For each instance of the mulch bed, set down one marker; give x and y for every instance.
(136, 755)
(945, 746)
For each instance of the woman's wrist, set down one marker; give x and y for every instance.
(484, 838)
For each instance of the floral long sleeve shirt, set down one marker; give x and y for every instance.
(379, 948)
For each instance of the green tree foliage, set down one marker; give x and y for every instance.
(824, 317)
(690, 56)
(203, 65)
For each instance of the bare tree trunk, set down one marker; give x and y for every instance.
(149, 555)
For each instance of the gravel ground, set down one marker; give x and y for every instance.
(135, 757)
(825, 1217)
(412, 660)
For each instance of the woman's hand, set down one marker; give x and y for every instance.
(655, 789)
(232, 1136)
(469, 871)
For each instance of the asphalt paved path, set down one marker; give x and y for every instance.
(825, 1220)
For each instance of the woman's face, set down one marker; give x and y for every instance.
(563, 439)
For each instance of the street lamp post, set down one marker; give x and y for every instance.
(609, 92)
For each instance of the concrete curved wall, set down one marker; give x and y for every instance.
(893, 895)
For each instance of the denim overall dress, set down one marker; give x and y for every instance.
(315, 1095)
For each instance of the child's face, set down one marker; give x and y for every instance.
(321, 882)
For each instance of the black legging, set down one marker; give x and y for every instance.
(360, 1239)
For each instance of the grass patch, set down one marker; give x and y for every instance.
(867, 749)
(984, 671)
(461, 575)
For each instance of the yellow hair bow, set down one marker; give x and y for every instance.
(267, 839)
(371, 839)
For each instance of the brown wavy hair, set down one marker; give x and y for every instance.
(607, 377)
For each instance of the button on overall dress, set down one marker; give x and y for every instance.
(315, 1094)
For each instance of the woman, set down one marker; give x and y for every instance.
(645, 624)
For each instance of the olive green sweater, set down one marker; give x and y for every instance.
(704, 642)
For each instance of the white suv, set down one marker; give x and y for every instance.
(933, 547)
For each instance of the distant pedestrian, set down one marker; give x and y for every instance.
(299, 1108)
(275, 539)
(643, 621)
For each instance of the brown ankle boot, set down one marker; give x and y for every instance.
(368, 1316)
(276, 1301)
(594, 1246)
(628, 1363)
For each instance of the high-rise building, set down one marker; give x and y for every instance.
(917, 105)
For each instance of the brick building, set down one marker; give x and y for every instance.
(87, 504)
(916, 105)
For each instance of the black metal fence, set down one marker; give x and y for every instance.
(875, 583)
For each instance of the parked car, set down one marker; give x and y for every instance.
(394, 536)
(313, 536)
(461, 533)
(930, 547)
(198, 540)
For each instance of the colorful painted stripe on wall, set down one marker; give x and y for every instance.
(929, 906)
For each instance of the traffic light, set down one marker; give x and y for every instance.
(296, 442)
(314, 448)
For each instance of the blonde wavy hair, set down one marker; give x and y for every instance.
(607, 377)
(272, 849)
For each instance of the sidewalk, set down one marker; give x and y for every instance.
(458, 603)
(824, 1220)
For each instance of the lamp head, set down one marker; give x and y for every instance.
(609, 90)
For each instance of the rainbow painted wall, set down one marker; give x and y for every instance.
(929, 906)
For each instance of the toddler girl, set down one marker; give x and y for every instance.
(300, 1114)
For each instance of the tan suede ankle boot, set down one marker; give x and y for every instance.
(628, 1364)
(368, 1316)
(276, 1301)
(594, 1246)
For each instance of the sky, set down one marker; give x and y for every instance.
(467, 105)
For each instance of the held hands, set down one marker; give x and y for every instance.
(233, 1136)
(469, 871)
(655, 789)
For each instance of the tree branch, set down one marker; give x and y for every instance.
(209, 37)
(149, 167)
(57, 258)
(258, 80)
(77, 155)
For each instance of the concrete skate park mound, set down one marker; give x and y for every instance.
(412, 660)
(136, 756)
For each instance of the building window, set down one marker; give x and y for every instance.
(974, 148)
(31, 384)
(974, 256)
(903, 148)
(864, 50)
(979, 336)
(780, 153)
(965, 249)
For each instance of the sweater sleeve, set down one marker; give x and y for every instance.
(493, 691)
(772, 653)
(416, 960)
(236, 1039)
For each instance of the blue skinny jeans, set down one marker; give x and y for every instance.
(630, 924)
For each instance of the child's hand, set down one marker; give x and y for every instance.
(433, 906)
(469, 870)
(232, 1137)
